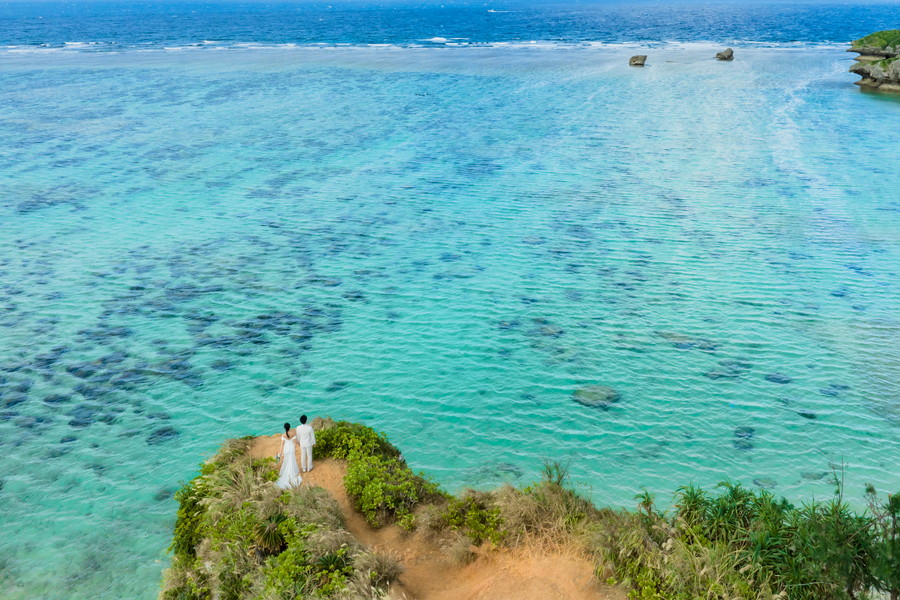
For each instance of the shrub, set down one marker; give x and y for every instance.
(182, 581)
(385, 489)
(187, 523)
(288, 575)
(332, 570)
(475, 516)
(344, 440)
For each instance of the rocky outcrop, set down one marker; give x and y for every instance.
(878, 45)
(878, 62)
(637, 60)
(883, 75)
(596, 396)
(726, 54)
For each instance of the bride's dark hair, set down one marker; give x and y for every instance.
(287, 428)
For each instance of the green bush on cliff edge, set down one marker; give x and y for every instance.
(238, 537)
(383, 488)
(889, 38)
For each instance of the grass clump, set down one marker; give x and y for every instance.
(547, 510)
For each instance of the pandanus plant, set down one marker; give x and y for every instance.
(269, 539)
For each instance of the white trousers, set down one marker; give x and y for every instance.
(306, 458)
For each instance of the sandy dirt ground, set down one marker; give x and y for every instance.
(497, 574)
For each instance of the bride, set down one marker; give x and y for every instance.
(289, 475)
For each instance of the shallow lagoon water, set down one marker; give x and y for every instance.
(443, 243)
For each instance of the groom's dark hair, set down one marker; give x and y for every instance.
(287, 427)
(303, 419)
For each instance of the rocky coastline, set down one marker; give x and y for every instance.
(878, 60)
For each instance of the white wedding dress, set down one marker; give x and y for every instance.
(289, 475)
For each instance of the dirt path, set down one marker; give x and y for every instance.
(502, 574)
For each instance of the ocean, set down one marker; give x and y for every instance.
(442, 221)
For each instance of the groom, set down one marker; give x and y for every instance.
(306, 437)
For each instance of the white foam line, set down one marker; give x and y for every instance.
(460, 44)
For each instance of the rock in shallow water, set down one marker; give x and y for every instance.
(637, 60)
(161, 435)
(82, 415)
(742, 444)
(729, 368)
(14, 399)
(744, 432)
(164, 494)
(765, 482)
(687, 342)
(337, 386)
(550, 331)
(721, 374)
(57, 399)
(834, 389)
(596, 396)
(778, 378)
(82, 369)
(726, 54)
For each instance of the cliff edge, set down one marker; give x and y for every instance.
(363, 526)
(878, 62)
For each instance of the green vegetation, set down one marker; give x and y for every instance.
(889, 38)
(474, 516)
(385, 489)
(239, 537)
(342, 439)
(738, 543)
(382, 487)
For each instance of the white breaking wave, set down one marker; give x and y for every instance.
(442, 42)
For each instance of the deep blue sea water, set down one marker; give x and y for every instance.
(109, 25)
(441, 221)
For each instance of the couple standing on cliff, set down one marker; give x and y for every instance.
(289, 475)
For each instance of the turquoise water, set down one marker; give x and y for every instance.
(443, 243)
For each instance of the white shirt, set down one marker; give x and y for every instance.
(306, 436)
